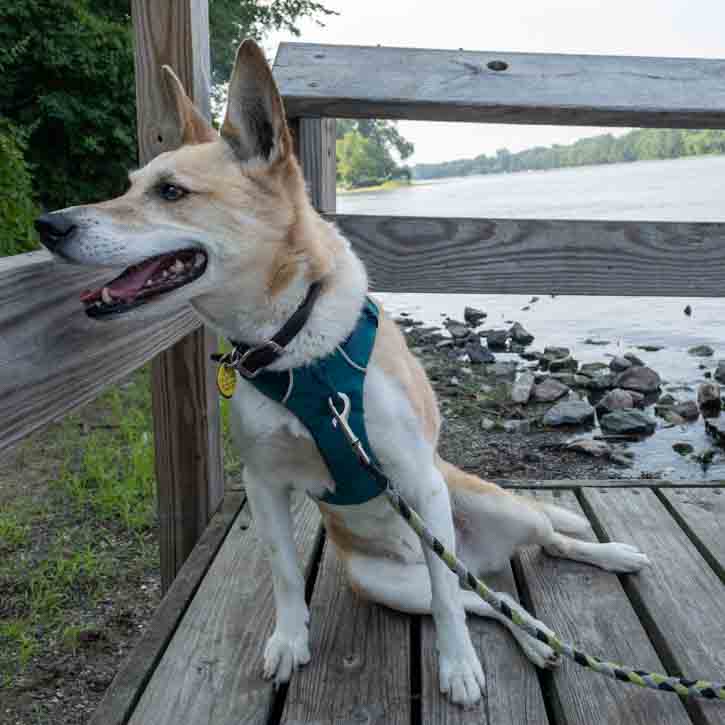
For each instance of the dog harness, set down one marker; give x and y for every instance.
(306, 392)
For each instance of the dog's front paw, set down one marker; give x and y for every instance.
(284, 653)
(462, 678)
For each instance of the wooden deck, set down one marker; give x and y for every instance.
(200, 662)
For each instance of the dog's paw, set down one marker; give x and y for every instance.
(623, 558)
(462, 678)
(284, 654)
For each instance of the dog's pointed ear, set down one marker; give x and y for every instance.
(193, 126)
(255, 124)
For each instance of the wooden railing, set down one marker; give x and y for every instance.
(53, 358)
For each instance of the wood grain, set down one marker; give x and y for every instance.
(589, 607)
(189, 469)
(211, 672)
(513, 695)
(360, 662)
(315, 148)
(607, 483)
(121, 697)
(53, 358)
(526, 256)
(701, 514)
(456, 85)
(679, 598)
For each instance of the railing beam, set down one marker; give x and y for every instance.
(189, 468)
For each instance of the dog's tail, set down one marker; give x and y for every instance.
(563, 520)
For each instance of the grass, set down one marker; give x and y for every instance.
(81, 524)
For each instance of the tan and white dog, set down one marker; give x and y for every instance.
(224, 223)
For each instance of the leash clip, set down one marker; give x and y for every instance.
(340, 419)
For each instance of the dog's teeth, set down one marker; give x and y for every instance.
(198, 260)
(148, 283)
(164, 274)
(106, 296)
(177, 266)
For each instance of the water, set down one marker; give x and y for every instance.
(678, 190)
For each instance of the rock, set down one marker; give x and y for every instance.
(628, 422)
(716, 428)
(549, 390)
(669, 416)
(455, 381)
(590, 341)
(458, 330)
(517, 426)
(501, 370)
(684, 449)
(479, 355)
(640, 379)
(448, 342)
(520, 335)
(531, 355)
(708, 398)
(666, 400)
(556, 353)
(522, 388)
(621, 459)
(603, 381)
(474, 317)
(617, 399)
(488, 424)
(592, 369)
(701, 351)
(525, 308)
(569, 413)
(572, 380)
(720, 372)
(650, 348)
(618, 364)
(687, 410)
(561, 365)
(688, 310)
(533, 300)
(531, 457)
(497, 339)
(632, 358)
(597, 449)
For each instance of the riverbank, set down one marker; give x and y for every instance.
(385, 186)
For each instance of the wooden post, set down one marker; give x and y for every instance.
(189, 471)
(315, 146)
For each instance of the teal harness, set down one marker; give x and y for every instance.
(305, 391)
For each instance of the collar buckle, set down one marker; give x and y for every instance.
(270, 349)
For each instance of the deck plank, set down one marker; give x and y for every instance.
(211, 671)
(360, 669)
(679, 598)
(513, 694)
(701, 513)
(588, 606)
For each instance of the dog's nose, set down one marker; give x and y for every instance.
(54, 229)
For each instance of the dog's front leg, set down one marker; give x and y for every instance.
(460, 672)
(288, 647)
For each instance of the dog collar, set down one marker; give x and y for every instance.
(250, 360)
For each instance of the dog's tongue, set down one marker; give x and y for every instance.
(129, 284)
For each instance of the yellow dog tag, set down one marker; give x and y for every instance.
(226, 380)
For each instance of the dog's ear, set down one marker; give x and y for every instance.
(255, 124)
(193, 126)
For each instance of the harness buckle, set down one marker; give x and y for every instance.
(340, 418)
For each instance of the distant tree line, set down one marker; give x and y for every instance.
(636, 145)
(366, 152)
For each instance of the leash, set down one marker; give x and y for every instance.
(652, 680)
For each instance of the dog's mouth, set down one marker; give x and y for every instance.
(142, 283)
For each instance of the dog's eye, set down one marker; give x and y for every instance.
(171, 192)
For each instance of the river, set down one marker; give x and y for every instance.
(688, 189)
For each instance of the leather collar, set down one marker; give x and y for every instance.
(250, 360)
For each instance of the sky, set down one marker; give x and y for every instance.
(679, 28)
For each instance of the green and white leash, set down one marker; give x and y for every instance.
(642, 678)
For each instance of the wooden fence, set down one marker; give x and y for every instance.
(53, 358)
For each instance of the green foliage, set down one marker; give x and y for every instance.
(365, 152)
(230, 21)
(17, 208)
(636, 145)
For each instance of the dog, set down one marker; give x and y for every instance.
(224, 224)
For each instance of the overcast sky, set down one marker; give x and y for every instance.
(681, 28)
